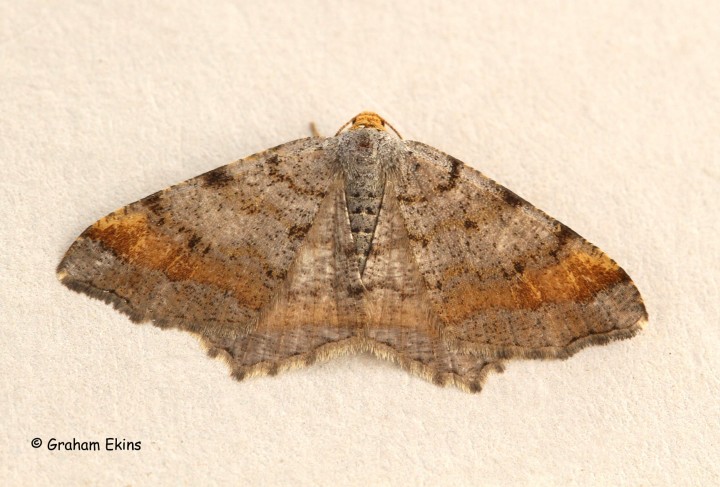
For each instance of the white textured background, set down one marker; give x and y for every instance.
(604, 114)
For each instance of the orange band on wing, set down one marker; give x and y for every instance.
(576, 278)
(134, 240)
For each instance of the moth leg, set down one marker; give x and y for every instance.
(314, 130)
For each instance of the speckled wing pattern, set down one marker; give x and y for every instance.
(360, 242)
(505, 279)
(209, 254)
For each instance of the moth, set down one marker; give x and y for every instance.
(360, 242)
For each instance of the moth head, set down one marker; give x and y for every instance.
(368, 120)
